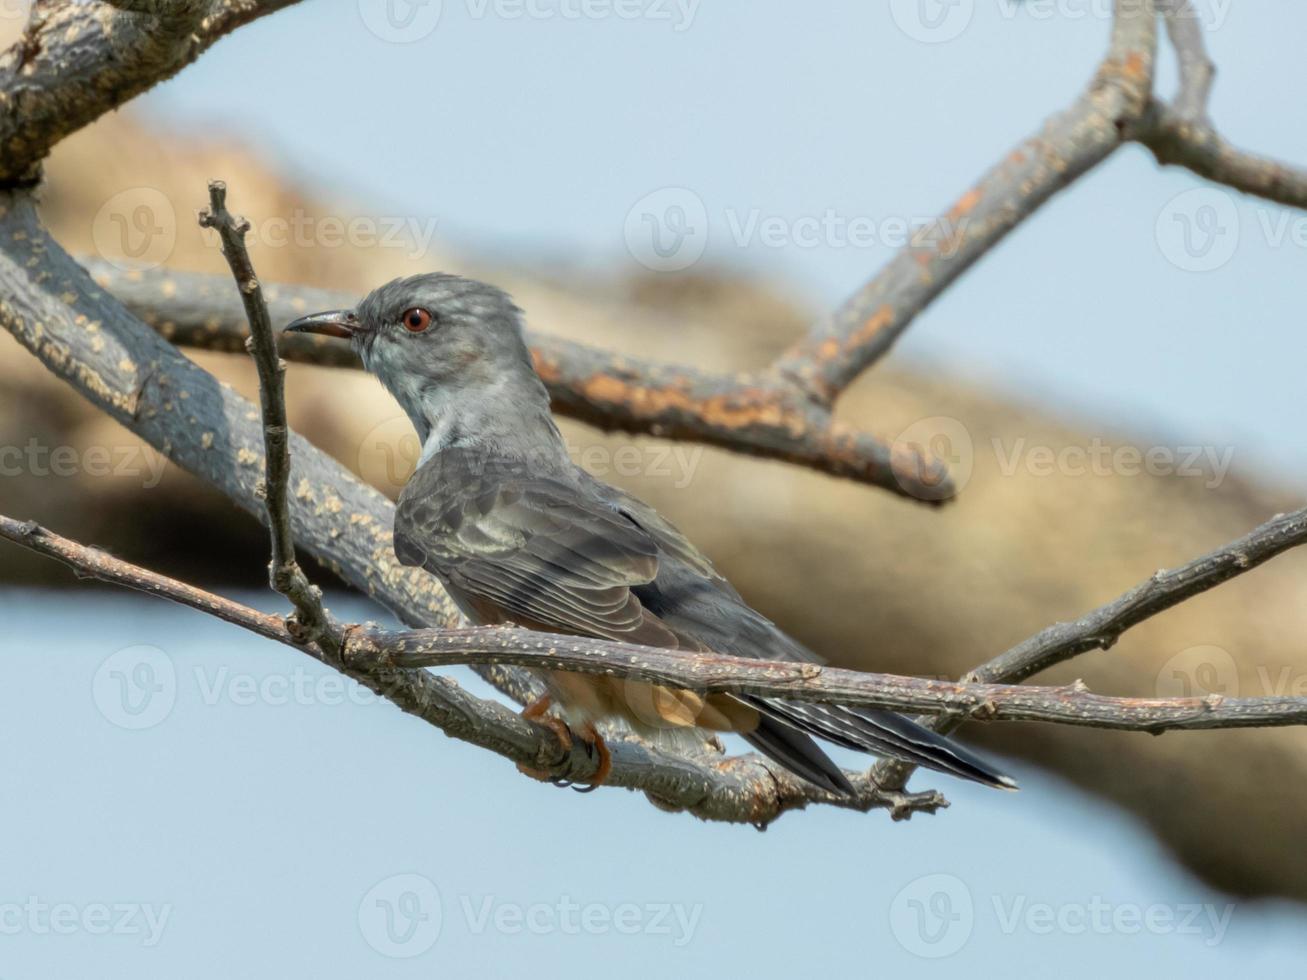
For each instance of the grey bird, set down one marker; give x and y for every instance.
(518, 534)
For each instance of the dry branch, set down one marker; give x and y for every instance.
(1101, 628)
(741, 790)
(311, 623)
(752, 414)
(77, 61)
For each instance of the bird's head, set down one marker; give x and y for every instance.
(439, 343)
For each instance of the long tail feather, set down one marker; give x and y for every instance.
(885, 734)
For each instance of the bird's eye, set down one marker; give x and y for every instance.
(416, 320)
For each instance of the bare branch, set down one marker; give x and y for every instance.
(311, 624)
(1197, 72)
(1181, 134)
(1197, 146)
(1100, 629)
(369, 649)
(757, 415)
(843, 345)
(84, 336)
(740, 790)
(77, 61)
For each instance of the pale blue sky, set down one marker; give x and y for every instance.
(535, 137)
(263, 827)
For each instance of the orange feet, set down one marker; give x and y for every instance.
(536, 711)
(594, 741)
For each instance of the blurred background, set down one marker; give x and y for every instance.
(1118, 387)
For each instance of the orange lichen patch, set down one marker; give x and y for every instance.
(739, 409)
(1135, 67)
(965, 205)
(874, 324)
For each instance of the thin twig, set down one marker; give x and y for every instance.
(369, 649)
(842, 346)
(1100, 629)
(739, 790)
(1197, 71)
(755, 414)
(311, 623)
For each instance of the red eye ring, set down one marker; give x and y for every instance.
(416, 320)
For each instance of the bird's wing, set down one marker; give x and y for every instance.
(530, 546)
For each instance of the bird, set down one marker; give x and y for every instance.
(521, 536)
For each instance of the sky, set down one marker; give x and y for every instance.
(251, 818)
(191, 801)
(795, 143)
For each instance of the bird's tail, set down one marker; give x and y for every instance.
(881, 733)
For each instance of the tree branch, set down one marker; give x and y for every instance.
(368, 649)
(87, 338)
(740, 790)
(839, 348)
(311, 623)
(77, 61)
(1101, 628)
(752, 414)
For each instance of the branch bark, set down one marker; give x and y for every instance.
(838, 349)
(753, 414)
(311, 623)
(1101, 628)
(77, 61)
(368, 649)
(740, 790)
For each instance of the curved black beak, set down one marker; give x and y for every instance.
(333, 323)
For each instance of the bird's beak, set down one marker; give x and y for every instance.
(333, 323)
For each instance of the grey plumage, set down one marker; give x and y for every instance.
(517, 533)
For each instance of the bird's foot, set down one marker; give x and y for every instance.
(594, 745)
(536, 711)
